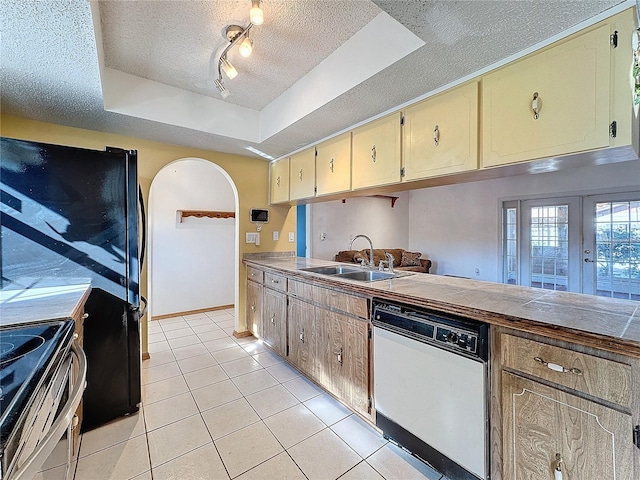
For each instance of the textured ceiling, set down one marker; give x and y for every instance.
(50, 61)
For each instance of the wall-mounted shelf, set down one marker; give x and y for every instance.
(204, 213)
(393, 199)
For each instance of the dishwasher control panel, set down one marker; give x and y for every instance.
(466, 336)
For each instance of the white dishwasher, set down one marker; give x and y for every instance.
(430, 387)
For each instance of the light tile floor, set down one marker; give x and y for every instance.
(219, 407)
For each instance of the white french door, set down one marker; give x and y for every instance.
(585, 244)
(550, 246)
(611, 246)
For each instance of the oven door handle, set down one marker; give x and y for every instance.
(34, 462)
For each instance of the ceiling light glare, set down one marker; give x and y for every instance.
(224, 93)
(256, 15)
(246, 47)
(229, 69)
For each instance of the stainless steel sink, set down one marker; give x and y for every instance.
(331, 270)
(367, 275)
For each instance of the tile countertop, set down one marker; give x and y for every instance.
(605, 323)
(39, 302)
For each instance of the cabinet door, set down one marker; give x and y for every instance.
(302, 177)
(280, 181)
(274, 321)
(254, 308)
(343, 355)
(302, 336)
(571, 83)
(333, 165)
(376, 153)
(541, 422)
(440, 135)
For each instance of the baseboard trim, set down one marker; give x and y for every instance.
(246, 333)
(190, 312)
(145, 356)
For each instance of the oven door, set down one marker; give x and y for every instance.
(48, 445)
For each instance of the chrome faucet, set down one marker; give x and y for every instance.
(371, 262)
(388, 262)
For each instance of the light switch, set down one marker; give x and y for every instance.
(292, 237)
(251, 237)
(276, 236)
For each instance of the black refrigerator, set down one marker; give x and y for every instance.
(72, 216)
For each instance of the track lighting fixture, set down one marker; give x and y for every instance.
(236, 34)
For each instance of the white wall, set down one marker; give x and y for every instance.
(191, 263)
(387, 227)
(458, 226)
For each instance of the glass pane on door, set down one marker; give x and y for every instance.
(617, 235)
(549, 247)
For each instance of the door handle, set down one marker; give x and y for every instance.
(588, 260)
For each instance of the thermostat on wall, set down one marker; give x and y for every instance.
(259, 215)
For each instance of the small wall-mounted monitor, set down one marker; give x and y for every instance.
(259, 215)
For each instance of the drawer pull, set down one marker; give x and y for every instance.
(302, 336)
(557, 467)
(436, 136)
(340, 357)
(273, 319)
(253, 307)
(275, 281)
(373, 154)
(558, 368)
(85, 316)
(300, 174)
(278, 181)
(331, 165)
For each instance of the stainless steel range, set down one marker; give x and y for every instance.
(42, 374)
(430, 387)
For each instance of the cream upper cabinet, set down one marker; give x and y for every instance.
(550, 103)
(376, 153)
(440, 134)
(302, 176)
(333, 165)
(279, 176)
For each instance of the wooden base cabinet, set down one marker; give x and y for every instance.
(343, 358)
(548, 431)
(302, 336)
(254, 308)
(274, 321)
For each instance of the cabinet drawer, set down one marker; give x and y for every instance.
(255, 275)
(301, 289)
(277, 282)
(602, 378)
(341, 301)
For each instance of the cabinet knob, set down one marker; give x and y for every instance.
(557, 467)
(331, 165)
(536, 105)
(373, 153)
(436, 136)
(253, 308)
(86, 315)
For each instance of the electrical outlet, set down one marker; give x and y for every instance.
(292, 237)
(276, 236)
(323, 236)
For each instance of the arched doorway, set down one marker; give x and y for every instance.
(193, 261)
